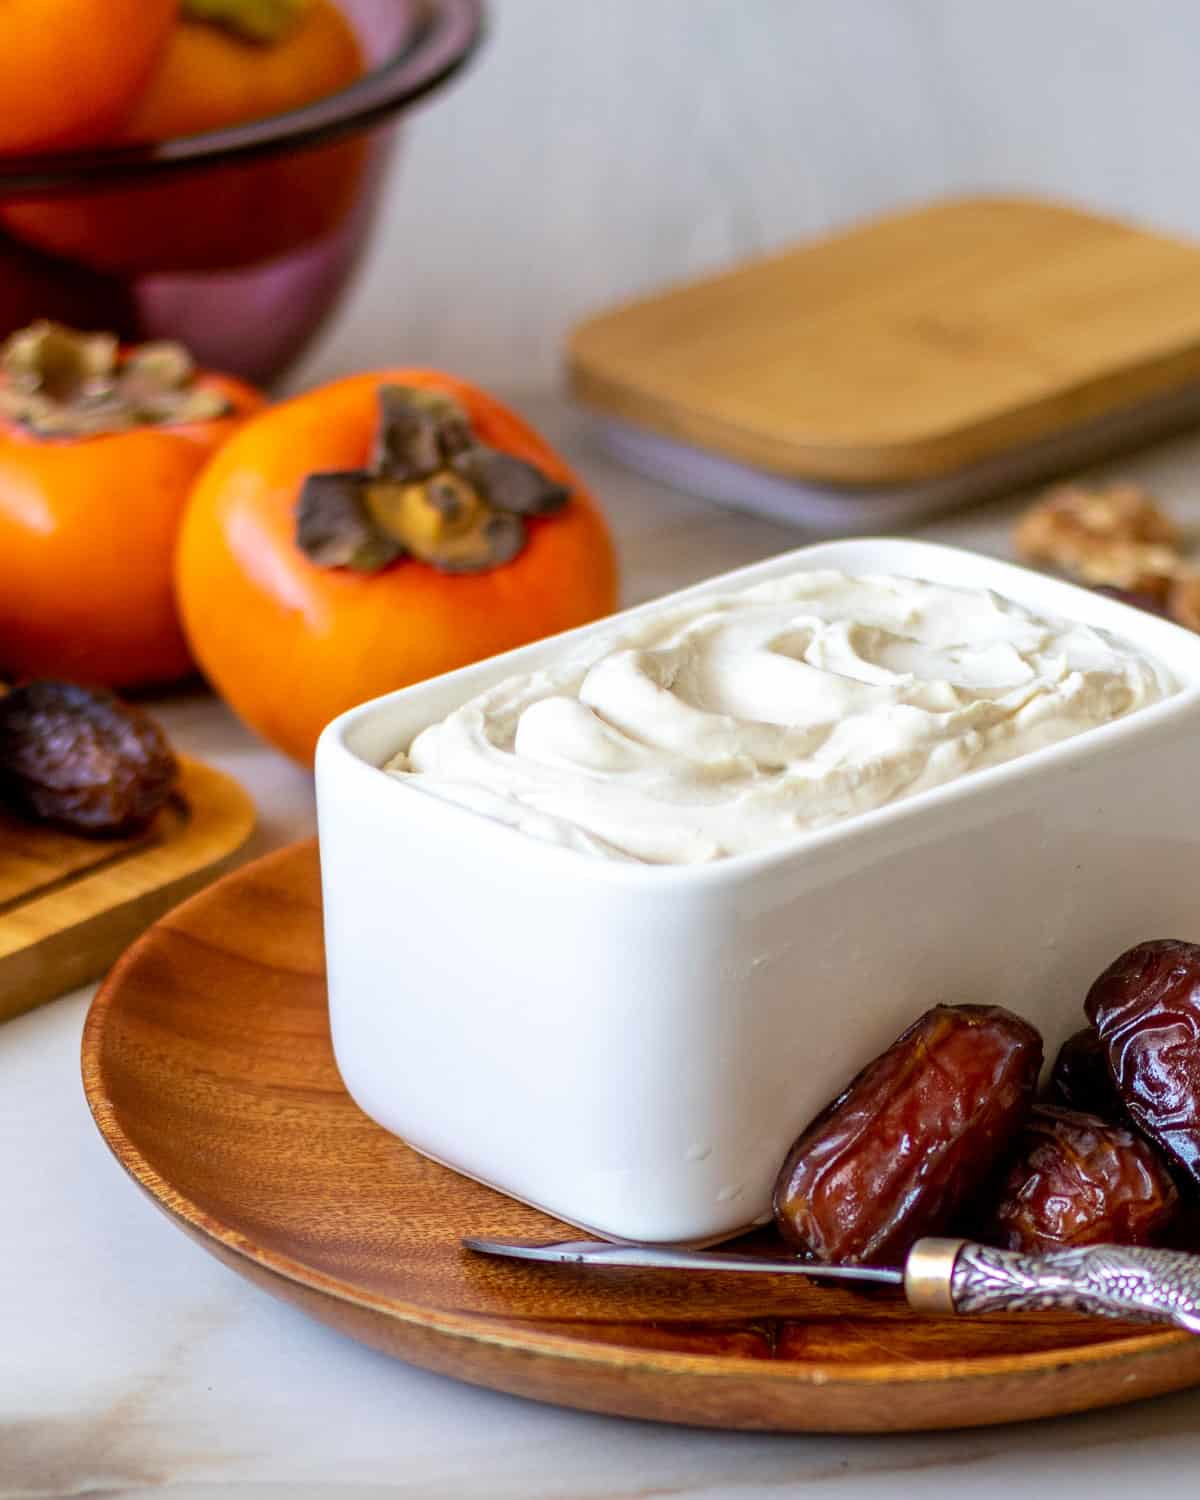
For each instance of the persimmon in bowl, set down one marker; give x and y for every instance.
(228, 207)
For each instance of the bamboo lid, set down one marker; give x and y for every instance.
(907, 347)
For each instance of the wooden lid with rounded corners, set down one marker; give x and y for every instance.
(907, 347)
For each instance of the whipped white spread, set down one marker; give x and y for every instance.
(740, 720)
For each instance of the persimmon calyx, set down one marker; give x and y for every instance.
(334, 530)
(431, 491)
(263, 21)
(419, 432)
(58, 383)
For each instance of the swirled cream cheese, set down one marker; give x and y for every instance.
(737, 721)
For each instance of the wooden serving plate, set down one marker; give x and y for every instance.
(207, 1065)
(70, 905)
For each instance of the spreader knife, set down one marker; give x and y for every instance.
(942, 1275)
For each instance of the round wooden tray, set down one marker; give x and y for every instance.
(207, 1065)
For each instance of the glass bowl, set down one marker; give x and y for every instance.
(237, 241)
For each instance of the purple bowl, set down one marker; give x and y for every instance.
(252, 232)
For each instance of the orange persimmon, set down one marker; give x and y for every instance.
(209, 77)
(290, 643)
(222, 216)
(72, 70)
(88, 526)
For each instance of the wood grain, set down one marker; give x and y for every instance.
(208, 1067)
(908, 347)
(69, 906)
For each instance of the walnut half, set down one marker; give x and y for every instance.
(1115, 538)
(1183, 601)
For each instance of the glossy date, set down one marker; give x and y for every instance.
(1146, 1009)
(1076, 1180)
(901, 1152)
(1081, 1080)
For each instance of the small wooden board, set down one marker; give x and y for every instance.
(908, 347)
(69, 905)
(208, 1067)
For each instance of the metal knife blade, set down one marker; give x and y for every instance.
(945, 1276)
(665, 1258)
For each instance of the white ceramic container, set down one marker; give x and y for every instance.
(633, 1048)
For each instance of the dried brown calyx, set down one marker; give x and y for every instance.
(263, 21)
(58, 383)
(432, 491)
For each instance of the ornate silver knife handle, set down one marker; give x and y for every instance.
(1106, 1281)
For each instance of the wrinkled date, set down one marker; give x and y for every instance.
(81, 759)
(1146, 1009)
(1078, 1181)
(1081, 1080)
(908, 1143)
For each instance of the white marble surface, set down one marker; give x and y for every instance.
(131, 1362)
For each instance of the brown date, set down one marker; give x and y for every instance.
(1146, 1009)
(904, 1148)
(1081, 1080)
(81, 759)
(1076, 1180)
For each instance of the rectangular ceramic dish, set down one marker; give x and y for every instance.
(633, 1048)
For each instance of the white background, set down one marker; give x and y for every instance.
(599, 148)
